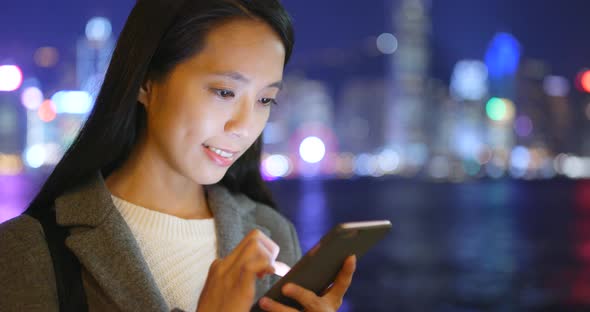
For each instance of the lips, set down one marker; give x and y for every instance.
(220, 149)
(219, 156)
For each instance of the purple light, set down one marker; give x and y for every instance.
(523, 126)
(32, 98)
(556, 86)
(15, 193)
(11, 77)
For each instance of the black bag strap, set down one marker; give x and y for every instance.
(66, 266)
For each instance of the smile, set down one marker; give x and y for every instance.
(220, 152)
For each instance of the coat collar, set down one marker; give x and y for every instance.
(106, 248)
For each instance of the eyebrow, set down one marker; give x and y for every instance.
(241, 78)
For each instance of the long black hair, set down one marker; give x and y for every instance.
(158, 35)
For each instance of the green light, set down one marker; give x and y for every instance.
(496, 109)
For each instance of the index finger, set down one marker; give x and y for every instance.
(272, 247)
(265, 241)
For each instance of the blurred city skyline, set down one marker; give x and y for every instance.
(450, 91)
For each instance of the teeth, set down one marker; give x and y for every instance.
(220, 152)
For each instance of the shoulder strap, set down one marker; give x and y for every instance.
(65, 264)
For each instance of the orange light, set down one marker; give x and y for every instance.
(585, 81)
(46, 111)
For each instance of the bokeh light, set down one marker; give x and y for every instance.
(31, 98)
(46, 56)
(520, 157)
(556, 86)
(388, 161)
(499, 109)
(576, 167)
(10, 165)
(584, 80)
(469, 80)
(47, 111)
(98, 29)
(277, 165)
(72, 102)
(35, 156)
(367, 164)
(312, 149)
(387, 43)
(503, 55)
(11, 77)
(471, 167)
(523, 126)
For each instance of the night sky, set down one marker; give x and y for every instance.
(548, 30)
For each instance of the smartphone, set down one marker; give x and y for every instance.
(318, 268)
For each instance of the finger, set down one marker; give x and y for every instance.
(254, 234)
(255, 259)
(343, 279)
(308, 299)
(270, 305)
(247, 276)
(257, 235)
(270, 245)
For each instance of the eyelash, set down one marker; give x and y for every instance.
(229, 93)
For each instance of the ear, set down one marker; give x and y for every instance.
(143, 95)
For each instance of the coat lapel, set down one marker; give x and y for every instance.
(235, 217)
(107, 250)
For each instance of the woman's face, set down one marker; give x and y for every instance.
(212, 107)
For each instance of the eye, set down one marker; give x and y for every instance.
(268, 101)
(224, 93)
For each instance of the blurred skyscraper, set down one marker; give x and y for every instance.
(359, 122)
(407, 107)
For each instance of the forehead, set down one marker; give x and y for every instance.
(247, 46)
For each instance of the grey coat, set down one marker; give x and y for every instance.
(114, 274)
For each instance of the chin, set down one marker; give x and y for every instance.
(208, 178)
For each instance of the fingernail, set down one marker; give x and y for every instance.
(281, 269)
(264, 302)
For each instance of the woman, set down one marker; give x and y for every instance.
(161, 192)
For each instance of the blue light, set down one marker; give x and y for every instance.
(35, 156)
(503, 56)
(98, 29)
(72, 102)
(469, 80)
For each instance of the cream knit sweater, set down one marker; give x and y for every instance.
(177, 251)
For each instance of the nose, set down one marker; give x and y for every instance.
(239, 122)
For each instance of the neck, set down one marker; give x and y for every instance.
(147, 181)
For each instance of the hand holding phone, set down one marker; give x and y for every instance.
(318, 268)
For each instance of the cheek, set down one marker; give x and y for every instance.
(201, 124)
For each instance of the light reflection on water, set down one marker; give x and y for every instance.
(482, 246)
